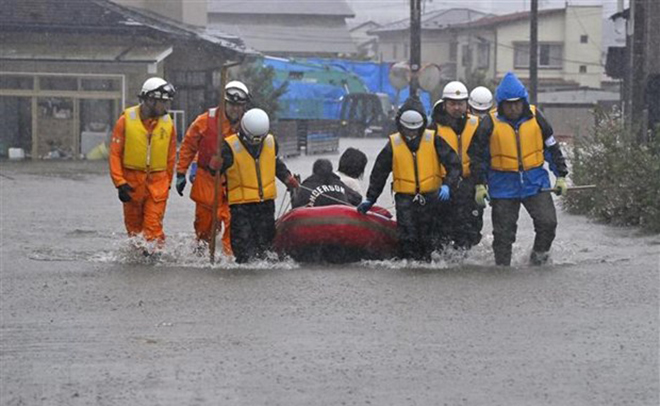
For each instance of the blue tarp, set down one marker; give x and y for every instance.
(312, 100)
(375, 76)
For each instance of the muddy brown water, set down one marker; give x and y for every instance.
(84, 321)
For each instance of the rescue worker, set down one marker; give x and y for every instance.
(351, 168)
(507, 155)
(201, 142)
(324, 188)
(480, 101)
(142, 157)
(413, 155)
(251, 164)
(460, 220)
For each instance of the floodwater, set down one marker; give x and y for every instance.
(84, 320)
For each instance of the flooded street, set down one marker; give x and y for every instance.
(83, 320)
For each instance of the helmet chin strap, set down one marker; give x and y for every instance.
(411, 134)
(250, 140)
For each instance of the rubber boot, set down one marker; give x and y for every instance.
(538, 258)
(503, 256)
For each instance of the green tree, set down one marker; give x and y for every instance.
(477, 77)
(259, 80)
(627, 175)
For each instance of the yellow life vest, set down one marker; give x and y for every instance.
(143, 150)
(460, 144)
(250, 180)
(514, 151)
(417, 172)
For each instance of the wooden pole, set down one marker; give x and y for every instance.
(415, 45)
(217, 176)
(533, 51)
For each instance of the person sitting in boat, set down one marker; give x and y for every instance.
(250, 164)
(414, 155)
(351, 168)
(324, 188)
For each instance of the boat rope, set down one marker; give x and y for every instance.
(282, 210)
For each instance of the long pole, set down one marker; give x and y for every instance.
(415, 45)
(218, 151)
(533, 51)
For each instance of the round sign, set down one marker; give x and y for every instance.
(429, 77)
(399, 75)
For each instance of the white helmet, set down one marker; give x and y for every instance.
(455, 90)
(412, 120)
(255, 125)
(236, 92)
(481, 98)
(157, 88)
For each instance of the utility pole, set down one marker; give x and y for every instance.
(533, 51)
(415, 45)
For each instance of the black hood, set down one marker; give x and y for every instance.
(411, 104)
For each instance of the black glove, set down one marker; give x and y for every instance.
(180, 183)
(365, 206)
(124, 192)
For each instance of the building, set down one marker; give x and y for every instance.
(438, 42)
(366, 43)
(462, 41)
(287, 29)
(638, 66)
(571, 111)
(569, 50)
(69, 68)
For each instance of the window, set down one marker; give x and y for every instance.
(453, 51)
(549, 55)
(466, 56)
(16, 82)
(58, 83)
(394, 56)
(104, 85)
(405, 51)
(583, 68)
(584, 39)
(483, 55)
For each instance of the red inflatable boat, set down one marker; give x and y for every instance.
(336, 234)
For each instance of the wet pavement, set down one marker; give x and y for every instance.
(84, 320)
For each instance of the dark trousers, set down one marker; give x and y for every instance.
(505, 224)
(415, 225)
(252, 229)
(460, 220)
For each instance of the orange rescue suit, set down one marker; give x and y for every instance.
(145, 212)
(201, 138)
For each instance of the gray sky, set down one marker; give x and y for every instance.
(384, 11)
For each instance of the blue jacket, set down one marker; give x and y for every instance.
(514, 185)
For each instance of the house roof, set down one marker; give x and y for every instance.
(282, 7)
(435, 20)
(300, 39)
(625, 14)
(104, 16)
(493, 20)
(364, 24)
(86, 53)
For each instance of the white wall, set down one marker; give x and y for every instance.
(583, 21)
(562, 28)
